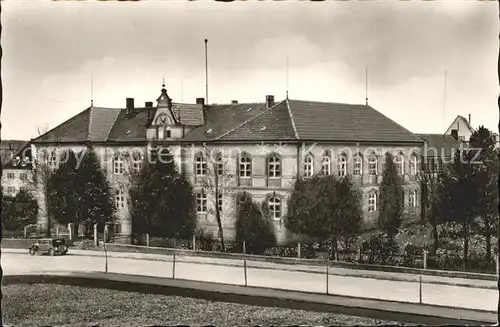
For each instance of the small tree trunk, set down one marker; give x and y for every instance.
(466, 245)
(487, 235)
(435, 238)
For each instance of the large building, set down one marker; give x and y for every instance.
(17, 171)
(261, 148)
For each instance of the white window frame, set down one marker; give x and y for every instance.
(220, 202)
(161, 132)
(219, 165)
(11, 175)
(275, 208)
(357, 167)
(137, 161)
(400, 164)
(326, 164)
(201, 202)
(412, 199)
(11, 190)
(119, 198)
(342, 165)
(245, 166)
(200, 165)
(372, 165)
(118, 165)
(413, 165)
(23, 176)
(372, 202)
(274, 167)
(308, 165)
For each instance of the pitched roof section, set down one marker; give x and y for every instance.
(75, 129)
(130, 128)
(22, 159)
(321, 121)
(440, 145)
(272, 124)
(221, 119)
(190, 114)
(100, 123)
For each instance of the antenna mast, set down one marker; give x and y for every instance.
(91, 89)
(206, 71)
(287, 76)
(444, 100)
(366, 85)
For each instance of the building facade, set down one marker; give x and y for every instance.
(257, 148)
(17, 172)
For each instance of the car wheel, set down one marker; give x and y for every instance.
(32, 251)
(51, 252)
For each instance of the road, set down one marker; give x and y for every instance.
(211, 270)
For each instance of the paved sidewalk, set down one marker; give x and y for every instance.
(396, 311)
(334, 271)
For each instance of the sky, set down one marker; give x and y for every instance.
(426, 61)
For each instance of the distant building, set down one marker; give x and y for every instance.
(8, 148)
(18, 172)
(461, 128)
(263, 148)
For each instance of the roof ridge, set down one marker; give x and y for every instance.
(291, 118)
(248, 120)
(112, 125)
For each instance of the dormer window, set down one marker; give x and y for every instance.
(168, 132)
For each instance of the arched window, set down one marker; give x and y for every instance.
(342, 165)
(413, 164)
(372, 165)
(245, 166)
(412, 199)
(219, 164)
(118, 164)
(275, 207)
(357, 165)
(200, 165)
(308, 165)
(274, 167)
(399, 160)
(201, 202)
(53, 160)
(119, 198)
(326, 163)
(372, 202)
(168, 132)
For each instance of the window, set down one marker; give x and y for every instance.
(220, 202)
(308, 165)
(461, 138)
(403, 198)
(274, 167)
(358, 165)
(23, 176)
(412, 199)
(161, 132)
(11, 190)
(201, 202)
(400, 164)
(118, 164)
(201, 165)
(372, 202)
(372, 166)
(137, 161)
(326, 164)
(219, 163)
(413, 164)
(245, 166)
(119, 199)
(53, 160)
(275, 207)
(342, 164)
(168, 132)
(10, 175)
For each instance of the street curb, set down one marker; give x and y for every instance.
(367, 276)
(378, 309)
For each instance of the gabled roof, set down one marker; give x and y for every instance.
(129, 128)
(75, 129)
(442, 145)
(190, 114)
(462, 119)
(22, 159)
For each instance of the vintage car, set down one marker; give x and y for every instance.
(51, 246)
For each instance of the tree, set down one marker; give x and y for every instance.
(390, 198)
(218, 181)
(162, 201)
(486, 167)
(252, 227)
(19, 211)
(62, 199)
(94, 194)
(349, 212)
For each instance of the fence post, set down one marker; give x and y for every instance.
(70, 231)
(425, 259)
(96, 236)
(106, 256)
(298, 250)
(147, 239)
(420, 289)
(245, 261)
(25, 232)
(194, 242)
(359, 254)
(173, 267)
(57, 231)
(327, 275)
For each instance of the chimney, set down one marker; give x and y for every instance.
(200, 101)
(469, 119)
(130, 106)
(454, 133)
(149, 108)
(269, 101)
(234, 101)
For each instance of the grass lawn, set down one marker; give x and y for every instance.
(59, 305)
